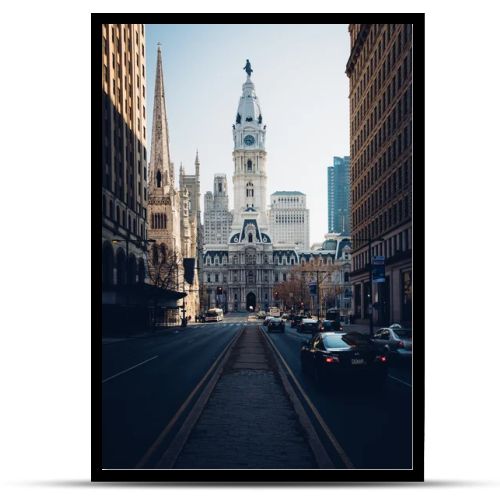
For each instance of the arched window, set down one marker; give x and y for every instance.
(158, 179)
(250, 238)
(249, 165)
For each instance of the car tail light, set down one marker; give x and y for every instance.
(331, 359)
(401, 344)
(382, 358)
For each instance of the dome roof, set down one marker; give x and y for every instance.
(249, 107)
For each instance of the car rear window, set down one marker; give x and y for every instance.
(334, 341)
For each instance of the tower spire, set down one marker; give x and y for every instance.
(197, 164)
(160, 150)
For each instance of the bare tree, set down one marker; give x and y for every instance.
(163, 271)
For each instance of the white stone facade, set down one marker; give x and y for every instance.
(240, 272)
(289, 219)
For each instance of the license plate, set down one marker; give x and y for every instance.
(357, 361)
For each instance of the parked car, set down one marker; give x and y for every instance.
(284, 317)
(276, 324)
(347, 356)
(397, 342)
(309, 326)
(266, 320)
(332, 326)
(296, 320)
(261, 315)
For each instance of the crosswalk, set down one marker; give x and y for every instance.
(220, 325)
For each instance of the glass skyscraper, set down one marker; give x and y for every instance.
(338, 196)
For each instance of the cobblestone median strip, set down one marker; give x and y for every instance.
(248, 422)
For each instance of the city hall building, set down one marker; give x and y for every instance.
(240, 271)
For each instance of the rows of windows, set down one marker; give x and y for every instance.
(123, 72)
(130, 222)
(288, 199)
(400, 242)
(158, 221)
(391, 216)
(289, 218)
(379, 192)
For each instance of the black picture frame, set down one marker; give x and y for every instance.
(253, 476)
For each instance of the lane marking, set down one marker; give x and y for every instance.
(322, 423)
(152, 449)
(128, 369)
(400, 381)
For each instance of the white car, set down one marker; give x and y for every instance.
(397, 341)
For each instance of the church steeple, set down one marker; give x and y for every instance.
(197, 164)
(160, 173)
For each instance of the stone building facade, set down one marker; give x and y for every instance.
(123, 167)
(380, 95)
(240, 272)
(289, 219)
(173, 214)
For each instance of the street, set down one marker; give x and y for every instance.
(146, 381)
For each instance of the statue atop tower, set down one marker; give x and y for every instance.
(248, 68)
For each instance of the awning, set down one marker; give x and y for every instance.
(141, 294)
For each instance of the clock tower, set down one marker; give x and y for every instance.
(249, 157)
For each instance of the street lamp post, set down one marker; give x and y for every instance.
(318, 290)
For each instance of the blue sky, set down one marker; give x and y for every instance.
(299, 76)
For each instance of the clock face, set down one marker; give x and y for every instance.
(249, 140)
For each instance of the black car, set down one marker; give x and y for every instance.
(309, 326)
(276, 325)
(345, 356)
(332, 326)
(296, 320)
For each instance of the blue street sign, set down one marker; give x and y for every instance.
(378, 269)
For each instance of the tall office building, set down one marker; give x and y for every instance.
(380, 94)
(123, 167)
(289, 219)
(217, 217)
(339, 193)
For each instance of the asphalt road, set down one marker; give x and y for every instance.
(145, 381)
(373, 428)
